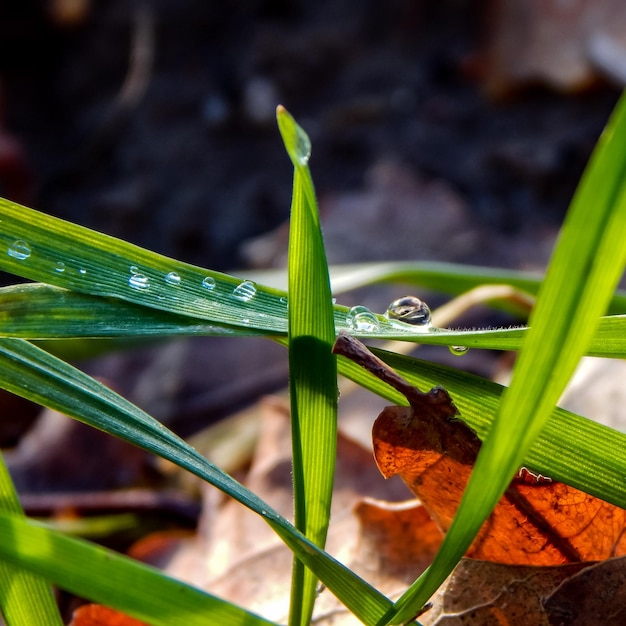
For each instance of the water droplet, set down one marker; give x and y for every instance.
(133, 269)
(209, 283)
(59, 267)
(82, 271)
(245, 291)
(333, 300)
(458, 350)
(139, 281)
(19, 250)
(303, 146)
(409, 309)
(172, 279)
(283, 300)
(361, 318)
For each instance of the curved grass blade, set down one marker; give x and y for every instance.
(312, 368)
(25, 598)
(449, 278)
(38, 311)
(38, 376)
(585, 268)
(114, 580)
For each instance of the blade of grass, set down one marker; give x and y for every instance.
(585, 268)
(312, 368)
(38, 311)
(114, 580)
(38, 376)
(25, 598)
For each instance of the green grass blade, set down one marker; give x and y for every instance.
(114, 580)
(34, 374)
(312, 368)
(39, 311)
(585, 268)
(448, 278)
(25, 598)
(32, 245)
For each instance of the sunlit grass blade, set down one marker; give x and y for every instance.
(585, 268)
(25, 598)
(39, 311)
(312, 368)
(38, 376)
(448, 278)
(114, 580)
(49, 250)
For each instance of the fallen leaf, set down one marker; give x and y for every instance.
(397, 542)
(97, 615)
(480, 593)
(595, 595)
(537, 521)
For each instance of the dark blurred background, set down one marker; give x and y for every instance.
(451, 131)
(154, 121)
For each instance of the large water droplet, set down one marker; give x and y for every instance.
(172, 279)
(409, 309)
(59, 267)
(303, 146)
(458, 350)
(209, 283)
(139, 281)
(245, 291)
(361, 318)
(19, 250)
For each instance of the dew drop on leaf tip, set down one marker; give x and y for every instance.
(19, 250)
(410, 310)
(303, 146)
(362, 319)
(245, 291)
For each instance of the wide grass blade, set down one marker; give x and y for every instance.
(585, 268)
(38, 376)
(25, 598)
(114, 580)
(312, 368)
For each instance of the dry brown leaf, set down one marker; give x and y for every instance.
(595, 595)
(397, 542)
(480, 593)
(537, 522)
(97, 615)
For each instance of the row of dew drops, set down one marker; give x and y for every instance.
(244, 292)
(408, 309)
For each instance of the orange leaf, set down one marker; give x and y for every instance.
(537, 521)
(98, 615)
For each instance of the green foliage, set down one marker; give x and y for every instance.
(90, 285)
